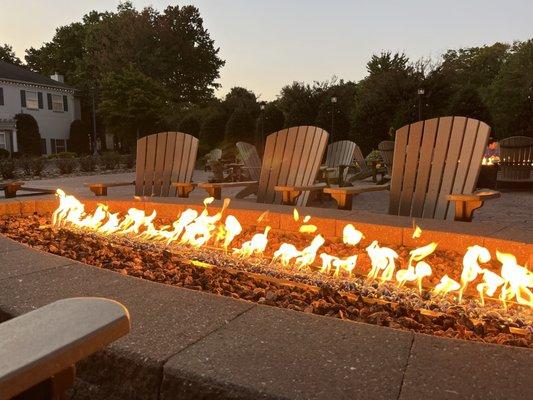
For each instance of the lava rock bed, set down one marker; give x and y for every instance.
(160, 265)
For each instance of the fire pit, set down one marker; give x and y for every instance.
(479, 295)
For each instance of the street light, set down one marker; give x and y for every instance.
(95, 152)
(333, 101)
(262, 107)
(421, 92)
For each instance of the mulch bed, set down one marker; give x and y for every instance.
(158, 264)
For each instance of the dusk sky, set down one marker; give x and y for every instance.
(268, 44)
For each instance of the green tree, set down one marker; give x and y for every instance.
(511, 93)
(213, 127)
(386, 98)
(239, 97)
(299, 103)
(28, 136)
(190, 125)
(8, 55)
(240, 127)
(132, 104)
(467, 102)
(79, 137)
(273, 120)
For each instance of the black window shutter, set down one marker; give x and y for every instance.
(1, 96)
(23, 98)
(40, 99)
(49, 100)
(53, 145)
(65, 103)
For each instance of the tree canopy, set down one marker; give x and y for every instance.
(8, 55)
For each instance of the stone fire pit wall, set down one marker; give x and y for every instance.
(192, 345)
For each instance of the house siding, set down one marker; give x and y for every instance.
(52, 124)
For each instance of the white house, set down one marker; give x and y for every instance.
(49, 100)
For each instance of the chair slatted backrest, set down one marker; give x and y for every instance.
(386, 149)
(250, 158)
(163, 158)
(360, 160)
(516, 158)
(340, 153)
(432, 159)
(292, 158)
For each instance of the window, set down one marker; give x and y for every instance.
(1, 96)
(3, 144)
(43, 146)
(57, 103)
(58, 145)
(32, 100)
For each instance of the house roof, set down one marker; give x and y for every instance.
(15, 73)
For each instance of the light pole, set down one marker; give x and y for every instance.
(421, 92)
(333, 102)
(95, 152)
(262, 107)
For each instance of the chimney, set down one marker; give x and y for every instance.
(58, 78)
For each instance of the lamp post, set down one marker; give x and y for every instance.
(421, 92)
(262, 107)
(95, 152)
(333, 102)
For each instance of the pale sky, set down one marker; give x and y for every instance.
(270, 43)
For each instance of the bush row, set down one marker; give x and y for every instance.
(65, 163)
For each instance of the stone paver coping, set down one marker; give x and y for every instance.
(192, 345)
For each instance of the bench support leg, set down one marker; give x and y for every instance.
(99, 190)
(11, 191)
(215, 192)
(344, 200)
(464, 210)
(53, 388)
(183, 191)
(290, 197)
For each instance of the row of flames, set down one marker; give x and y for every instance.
(196, 229)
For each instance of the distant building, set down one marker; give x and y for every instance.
(49, 100)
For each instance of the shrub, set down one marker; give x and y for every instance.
(79, 137)
(128, 160)
(66, 165)
(7, 168)
(63, 154)
(4, 153)
(28, 136)
(109, 160)
(88, 163)
(32, 166)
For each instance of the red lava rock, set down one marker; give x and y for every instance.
(163, 266)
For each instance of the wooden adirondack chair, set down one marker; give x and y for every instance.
(165, 162)
(339, 156)
(250, 158)
(516, 159)
(435, 162)
(39, 350)
(386, 149)
(289, 168)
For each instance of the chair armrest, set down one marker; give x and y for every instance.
(100, 189)
(291, 193)
(184, 188)
(356, 190)
(480, 195)
(215, 188)
(466, 204)
(344, 195)
(42, 343)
